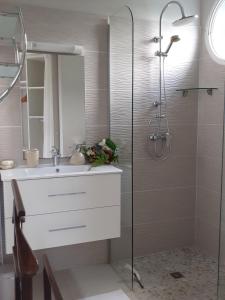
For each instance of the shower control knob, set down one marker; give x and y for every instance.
(153, 137)
(156, 103)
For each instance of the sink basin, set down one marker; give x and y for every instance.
(47, 171)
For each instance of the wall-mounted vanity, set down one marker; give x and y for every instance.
(64, 205)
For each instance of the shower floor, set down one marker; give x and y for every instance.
(199, 281)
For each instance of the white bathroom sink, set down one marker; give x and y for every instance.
(47, 171)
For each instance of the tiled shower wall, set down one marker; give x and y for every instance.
(90, 31)
(164, 191)
(209, 153)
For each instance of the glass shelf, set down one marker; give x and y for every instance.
(186, 91)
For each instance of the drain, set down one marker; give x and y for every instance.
(177, 275)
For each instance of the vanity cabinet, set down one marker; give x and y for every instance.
(66, 210)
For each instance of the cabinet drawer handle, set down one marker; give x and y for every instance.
(67, 194)
(67, 228)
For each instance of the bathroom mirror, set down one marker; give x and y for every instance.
(53, 102)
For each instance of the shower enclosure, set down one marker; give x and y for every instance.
(167, 249)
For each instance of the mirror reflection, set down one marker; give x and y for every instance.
(53, 102)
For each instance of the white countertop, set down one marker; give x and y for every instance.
(49, 171)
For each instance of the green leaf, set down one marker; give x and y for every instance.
(111, 144)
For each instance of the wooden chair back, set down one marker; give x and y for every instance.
(25, 262)
(49, 282)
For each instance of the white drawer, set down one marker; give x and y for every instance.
(66, 228)
(65, 194)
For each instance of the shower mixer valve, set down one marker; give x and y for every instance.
(156, 136)
(163, 54)
(157, 39)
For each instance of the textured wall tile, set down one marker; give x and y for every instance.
(82, 254)
(207, 238)
(120, 71)
(11, 143)
(211, 74)
(126, 184)
(209, 172)
(10, 109)
(173, 172)
(209, 140)
(96, 70)
(96, 107)
(184, 74)
(208, 206)
(211, 108)
(159, 236)
(164, 205)
(96, 133)
(57, 26)
(121, 34)
(126, 210)
(121, 248)
(121, 108)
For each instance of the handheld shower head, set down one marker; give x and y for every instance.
(173, 39)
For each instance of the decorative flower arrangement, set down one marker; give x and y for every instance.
(104, 152)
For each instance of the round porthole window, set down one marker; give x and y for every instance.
(216, 32)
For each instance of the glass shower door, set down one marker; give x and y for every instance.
(221, 263)
(121, 39)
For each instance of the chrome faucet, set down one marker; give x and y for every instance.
(55, 156)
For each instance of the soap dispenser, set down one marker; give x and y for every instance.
(77, 157)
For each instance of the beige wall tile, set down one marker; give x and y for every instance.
(82, 254)
(208, 206)
(164, 205)
(173, 172)
(96, 107)
(210, 140)
(159, 236)
(11, 143)
(207, 238)
(209, 172)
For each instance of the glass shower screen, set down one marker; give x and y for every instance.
(121, 56)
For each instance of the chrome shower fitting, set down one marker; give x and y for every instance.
(155, 137)
(173, 39)
(159, 140)
(179, 22)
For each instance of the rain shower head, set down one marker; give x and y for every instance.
(185, 20)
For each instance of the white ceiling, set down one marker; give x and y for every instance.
(142, 8)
